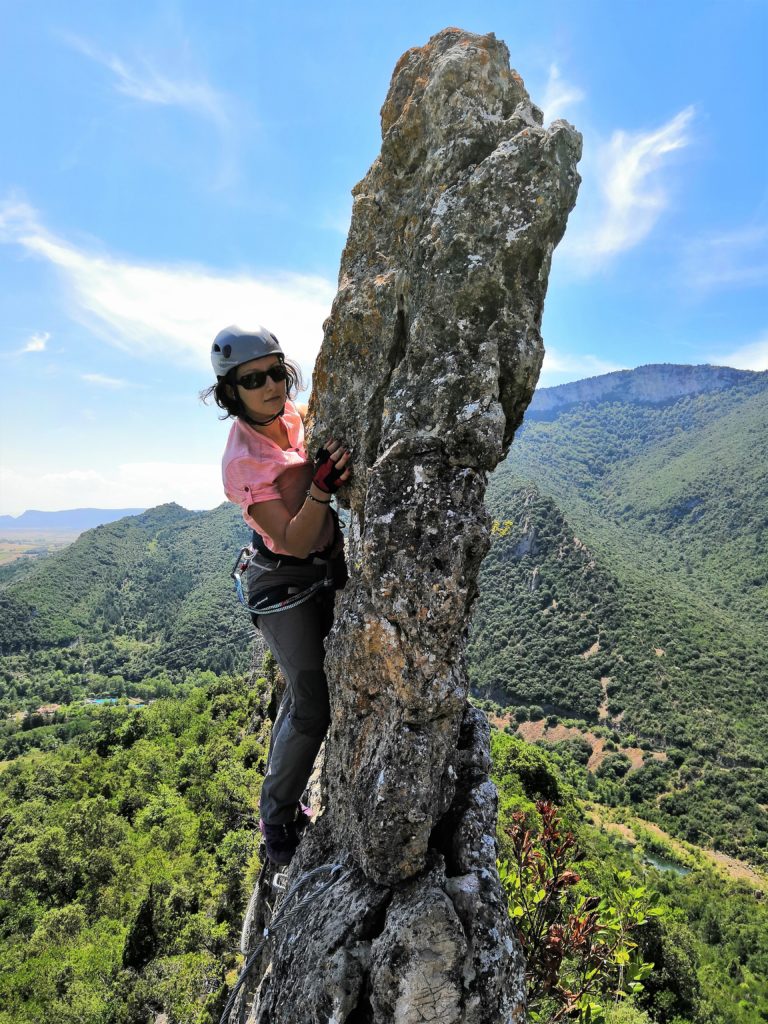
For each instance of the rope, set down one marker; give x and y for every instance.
(282, 917)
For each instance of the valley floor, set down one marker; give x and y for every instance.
(631, 828)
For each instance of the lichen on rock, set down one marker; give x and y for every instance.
(430, 357)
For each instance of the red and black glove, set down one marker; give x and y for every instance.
(327, 474)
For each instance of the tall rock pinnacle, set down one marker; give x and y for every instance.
(430, 357)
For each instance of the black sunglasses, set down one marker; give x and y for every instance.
(258, 378)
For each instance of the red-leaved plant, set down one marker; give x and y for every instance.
(579, 950)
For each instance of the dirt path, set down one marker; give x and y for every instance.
(538, 730)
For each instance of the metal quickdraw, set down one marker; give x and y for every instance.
(292, 600)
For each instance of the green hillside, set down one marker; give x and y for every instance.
(127, 600)
(624, 594)
(127, 856)
(626, 587)
(678, 487)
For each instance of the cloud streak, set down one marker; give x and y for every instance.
(144, 83)
(559, 95)
(630, 192)
(163, 314)
(752, 356)
(560, 367)
(100, 379)
(37, 342)
(150, 86)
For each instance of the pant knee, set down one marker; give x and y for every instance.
(312, 726)
(311, 713)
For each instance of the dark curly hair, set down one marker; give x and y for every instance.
(224, 391)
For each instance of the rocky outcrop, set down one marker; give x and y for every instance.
(651, 384)
(430, 357)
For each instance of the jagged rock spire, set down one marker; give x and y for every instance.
(430, 357)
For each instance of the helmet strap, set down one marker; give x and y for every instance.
(256, 423)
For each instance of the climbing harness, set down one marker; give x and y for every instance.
(268, 603)
(283, 916)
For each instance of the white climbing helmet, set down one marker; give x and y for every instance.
(234, 346)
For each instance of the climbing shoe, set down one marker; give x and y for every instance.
(281, 841)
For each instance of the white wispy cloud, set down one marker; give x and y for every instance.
(166, 313)
(128, 485)
(142, 81)
(629, 193)
(752, 356)
(559, 95)
(732, 259)
(106, 382)
(560, 367)
(37, 342)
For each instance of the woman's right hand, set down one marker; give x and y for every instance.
(332, 469)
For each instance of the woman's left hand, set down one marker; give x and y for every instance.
(332, 470)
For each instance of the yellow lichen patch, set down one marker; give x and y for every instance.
(501, 527)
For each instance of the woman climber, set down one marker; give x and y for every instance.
(297, 562)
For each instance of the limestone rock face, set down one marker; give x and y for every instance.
(431, 354)
(655, 383)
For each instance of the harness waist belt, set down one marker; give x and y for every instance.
(272, 556)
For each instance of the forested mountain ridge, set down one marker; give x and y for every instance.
(679, 486)
(128, 844)
(609, 595)
(654, 384)
(627, 584)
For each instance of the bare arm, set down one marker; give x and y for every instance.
(298, 534)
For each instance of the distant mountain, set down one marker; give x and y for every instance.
(677, 487)
(69, 519)
(652, 384)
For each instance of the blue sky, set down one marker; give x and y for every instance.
(168, 168)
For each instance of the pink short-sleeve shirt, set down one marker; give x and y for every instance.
(255, 469)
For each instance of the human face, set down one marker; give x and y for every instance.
(263, 402)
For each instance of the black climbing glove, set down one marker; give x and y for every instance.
(327, 475)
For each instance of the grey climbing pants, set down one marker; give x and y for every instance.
(296, 639)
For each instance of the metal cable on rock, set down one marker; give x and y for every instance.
(282, 917)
